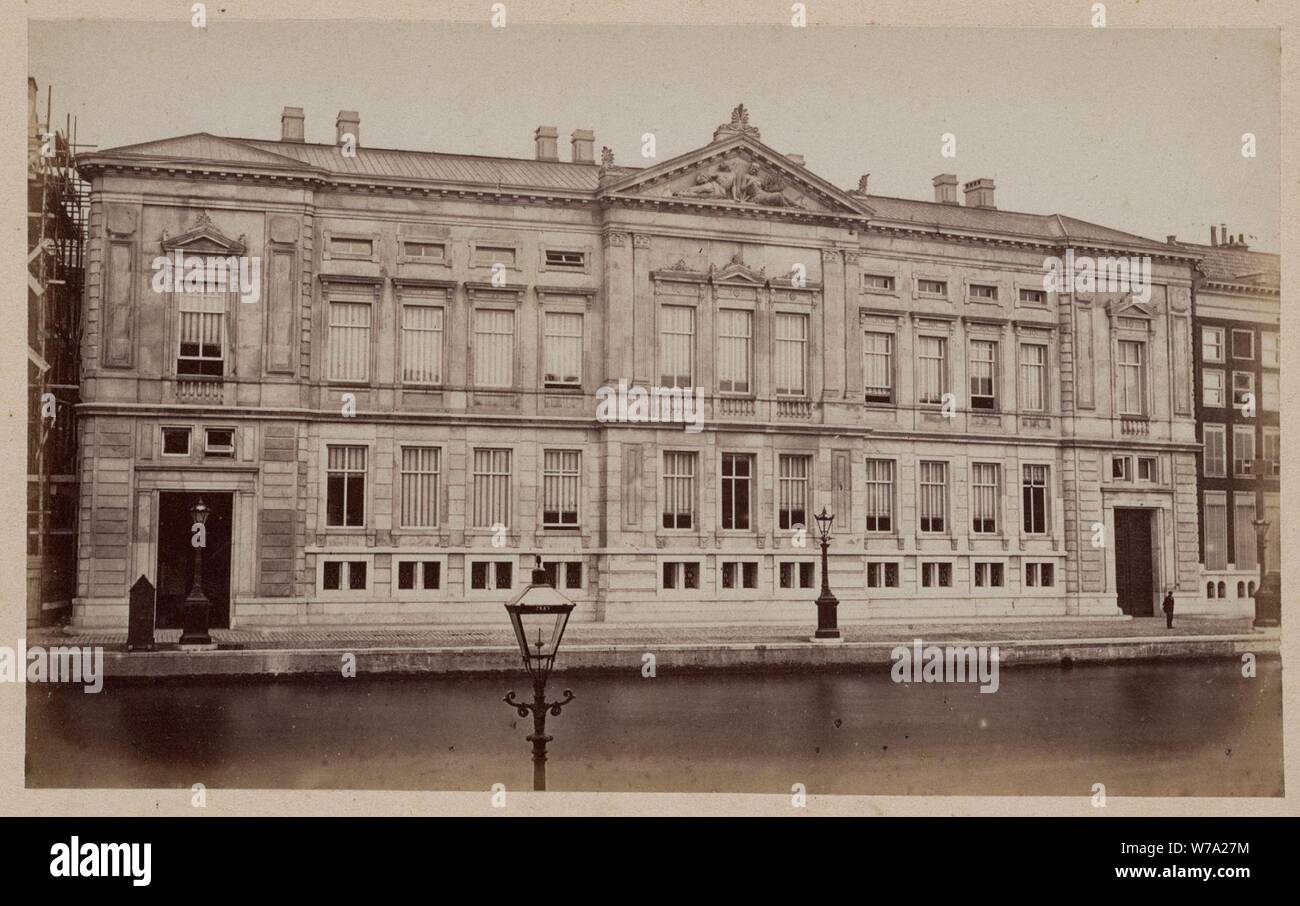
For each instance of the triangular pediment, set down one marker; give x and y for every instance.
(737, 172)
(1128, 306)
(204, 239)
(201, 146)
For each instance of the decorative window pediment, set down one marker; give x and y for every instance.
(204, 239)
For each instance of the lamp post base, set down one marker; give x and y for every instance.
(194, 621)
(828, 629)
(1268, 602)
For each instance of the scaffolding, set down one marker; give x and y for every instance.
(58, 207)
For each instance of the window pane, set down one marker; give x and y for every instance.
(734, 335)
(419, 490)
(422, 344)
(677, 346)
(494, 347)
(791, 353)
(563, 349)
(349, 341)
(491, 504)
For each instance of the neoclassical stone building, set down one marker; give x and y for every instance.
(399, 404)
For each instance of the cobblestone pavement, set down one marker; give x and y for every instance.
(426, 637)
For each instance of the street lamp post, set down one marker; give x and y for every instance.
(194, 610)
(539, 614)
(1268, 594)
(827, 603)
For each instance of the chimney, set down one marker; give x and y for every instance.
(796, 159)
(545, 137)
(291, 125)
(583, 143)
(945, 188)
(979, 193)
(1171, 239)
(1214, 236)
(1224, 238)
(349, 121)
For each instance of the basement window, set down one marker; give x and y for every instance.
(1033, 297)
(176, 441)
(557, 259)
(219, 442)
(488, 255)
(341, 575)
(424, 251)
(349, 247)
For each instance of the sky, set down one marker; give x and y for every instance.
(1139, 130)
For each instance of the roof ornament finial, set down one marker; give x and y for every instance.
(739, 115)
(737, 125)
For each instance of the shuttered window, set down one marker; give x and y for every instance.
(491, 503)
(562, 349)
(561, 473)
(791, 354)
(1216, 463)
(735, 334)
(494, 347)
(879, 503)
(677, 346)
(349, 341)
(201, 334)
(345, 486)
(422, 333)
(1216, 531)
(420, 473)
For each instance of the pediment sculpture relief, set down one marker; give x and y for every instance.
(742, 180)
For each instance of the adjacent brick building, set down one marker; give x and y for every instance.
(406, 409)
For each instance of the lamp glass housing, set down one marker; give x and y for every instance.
(539, 615)
(824, 522)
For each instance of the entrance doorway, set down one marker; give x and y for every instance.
(176, 556)
(1134, 565)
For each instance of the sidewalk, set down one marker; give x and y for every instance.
(603, 646)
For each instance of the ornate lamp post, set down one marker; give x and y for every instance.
(827, 603)
(539, 614)
(194, 610)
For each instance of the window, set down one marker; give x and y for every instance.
(1244, 532)
(1270, 391)
(1243, 385)
(984, 498)
(351, 247)
(878, 366)
(882, 575)
(737, 474)
(344, 575)
(1270, 350)
(563, 574)
(425, 251)
(491, 504)
(562, 365)
(1243, 344)
(934, 496)
(932, 287)
(677, 346)
(557, 259)
(1216, 530)
(219, 442)
(489, 575)
(349, 341)
(1243, 450)
(561, 473)
(1212, 344)
(1033, 296)
(1215, 451)
(681, 574)
(345, 486)
(931, 353)
(880, 283)
(1273, 451)
(983, 292)
(792, 490)
(1033, 377)
(989, 575)
(1034, 487)
(1211, 387)
(1121, 468)
(494, 347)
(797, 574)
(735, 332)
(1040, 575)
(936, 575)
(419, 575)
(422, 327)
(176, 441)
(1147, 469)
(739, 574)
(983, 374)
(791, 354)
(1129, 378)
(879, 504)
(488, 255)
(420, 468)
(679, 490)
(201, 334)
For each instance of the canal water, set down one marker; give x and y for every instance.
(1152, 729)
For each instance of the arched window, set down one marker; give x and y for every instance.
(1250, 589)
(1223, 590)
(1241, 589)
(1209, 589)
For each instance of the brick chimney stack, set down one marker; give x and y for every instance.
(979, 193)
(945, 188)
(583, 143)
(292, 124)
(348, 122)
(546, 140)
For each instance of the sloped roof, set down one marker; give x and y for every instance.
(1230, 264)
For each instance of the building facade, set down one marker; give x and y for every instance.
(1238, 396)
(436, 367)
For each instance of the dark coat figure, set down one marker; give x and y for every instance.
(1168, 608)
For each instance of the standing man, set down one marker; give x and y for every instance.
(1168, 608)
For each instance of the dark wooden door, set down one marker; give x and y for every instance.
(176, 556)
(1134, 572)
